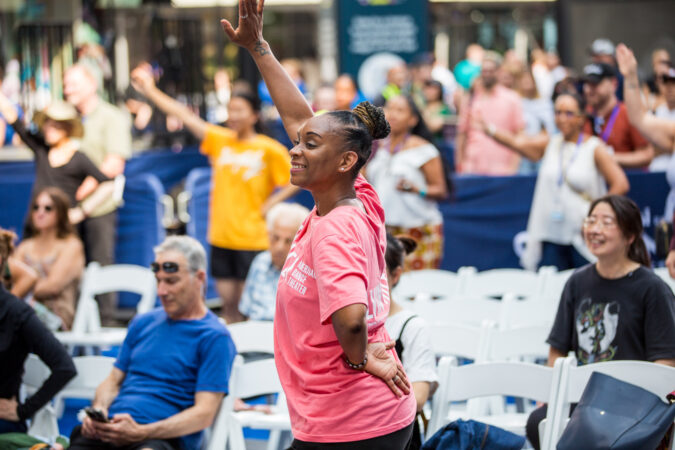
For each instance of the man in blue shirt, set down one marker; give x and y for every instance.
(260, 291)
(173, 367)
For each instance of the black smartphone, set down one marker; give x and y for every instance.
(95, 414)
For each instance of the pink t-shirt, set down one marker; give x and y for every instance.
(336, 260)
(483, 155)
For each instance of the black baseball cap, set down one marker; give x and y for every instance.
(596, 72)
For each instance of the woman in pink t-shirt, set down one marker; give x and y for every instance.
(336, 362)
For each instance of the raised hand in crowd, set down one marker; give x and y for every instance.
(143, 81)
(659, 131)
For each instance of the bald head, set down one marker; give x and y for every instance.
(79, 86)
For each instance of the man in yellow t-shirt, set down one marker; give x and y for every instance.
(247, 168)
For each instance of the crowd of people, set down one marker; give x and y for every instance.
(376, 175)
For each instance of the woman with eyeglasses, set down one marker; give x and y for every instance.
(575, 169)
(51, 247)
(617, 308)
(336, 362)
(58, 161)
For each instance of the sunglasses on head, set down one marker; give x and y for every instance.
(168, 267)
(47, 208)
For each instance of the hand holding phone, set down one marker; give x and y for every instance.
(95, 414)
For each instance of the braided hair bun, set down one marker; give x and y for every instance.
(373, 118)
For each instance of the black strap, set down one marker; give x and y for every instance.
(399, 342)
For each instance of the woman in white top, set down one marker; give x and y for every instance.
(413, 341)
(575, 170)
(408, 175)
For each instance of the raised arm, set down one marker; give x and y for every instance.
(660, 132)
(291, 104)
(142, 81)
(8, 110)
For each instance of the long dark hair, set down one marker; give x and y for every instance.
(397, 249)
(61, 204)
(255, 104)
(629, 220)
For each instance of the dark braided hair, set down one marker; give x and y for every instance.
(397, 249)
(359, 127)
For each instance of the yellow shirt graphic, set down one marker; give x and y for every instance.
(244, 174)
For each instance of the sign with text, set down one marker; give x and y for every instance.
(375, 35)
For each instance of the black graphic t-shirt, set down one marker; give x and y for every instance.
(632, 317)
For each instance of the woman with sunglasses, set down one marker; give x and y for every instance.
(344, 384)
(617, 308)
(58, 162)
(575, 169)
(51, 247)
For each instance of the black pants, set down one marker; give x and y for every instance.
(98, 235)
(398, 440)
(79, 442)
(532, 426)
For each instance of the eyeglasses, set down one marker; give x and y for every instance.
(568, 114)
(605, 222)
(168, 267)
(47, 208)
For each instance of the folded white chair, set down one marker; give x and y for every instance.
(497, 282)
(427, 284)
(43, 424)
(91, 371)
(493, 378)
(87, 330)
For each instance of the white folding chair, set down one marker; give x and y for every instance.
(91, 371)
(469, 311)
(497, 282)
(525, 313)
(87, 328)
(487, 379)
(44, 424)
(253, 336)
(656, 378)
(427, 284)
(251, 379)
(554, 284)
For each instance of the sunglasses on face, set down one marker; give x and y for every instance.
(168, 267)
(47, 208)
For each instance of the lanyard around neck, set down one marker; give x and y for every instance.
(610, 123)
(563, 169)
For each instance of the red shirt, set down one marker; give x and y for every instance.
(623, 136)
(336, 260)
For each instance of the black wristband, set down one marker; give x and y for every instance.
(360, 366)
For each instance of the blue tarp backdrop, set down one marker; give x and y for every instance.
(483, 224)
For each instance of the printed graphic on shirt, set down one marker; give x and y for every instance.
(250, 160)
(295, 274)
(596, 329)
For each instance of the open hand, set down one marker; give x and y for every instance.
(383, 364)
(142, 79)
(626, 61)
(8, 409)
(248, 33)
